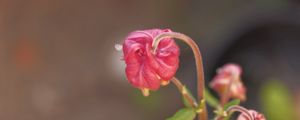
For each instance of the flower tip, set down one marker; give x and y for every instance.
(145, 92)
(232, 68)
(164, 82)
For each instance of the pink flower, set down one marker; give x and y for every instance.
(147, 69)
(229, 76)
(255, 115)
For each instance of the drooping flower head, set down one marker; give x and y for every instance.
(254, 114)
(147, 69)
(228, 79)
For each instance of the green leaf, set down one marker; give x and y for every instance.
(277, 101)
(184, 114)
(231, 103)
(210, 99)
(185, 101)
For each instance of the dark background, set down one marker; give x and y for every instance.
(58, 62)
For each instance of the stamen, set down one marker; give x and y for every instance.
(145, 92)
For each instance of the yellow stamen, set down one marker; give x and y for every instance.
(145, 92)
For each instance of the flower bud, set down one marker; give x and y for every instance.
(228, 81)
(145, 68)
(254, 114)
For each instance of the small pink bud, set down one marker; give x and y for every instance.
(229, 76)
(255, 115)
(145, 68)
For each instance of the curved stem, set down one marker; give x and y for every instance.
(198, 60)
(184, 92)
(243, 110)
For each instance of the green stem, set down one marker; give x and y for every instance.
(184, 92)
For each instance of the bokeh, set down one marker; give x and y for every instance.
(58, 59)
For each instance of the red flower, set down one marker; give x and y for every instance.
(255, 115)
(229, 76)
(145, 68)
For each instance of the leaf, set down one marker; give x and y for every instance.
(211, 100)
(277, 101)
(231, 103)
(184, 114)
(185, 101)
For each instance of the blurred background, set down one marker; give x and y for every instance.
(58, 61)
